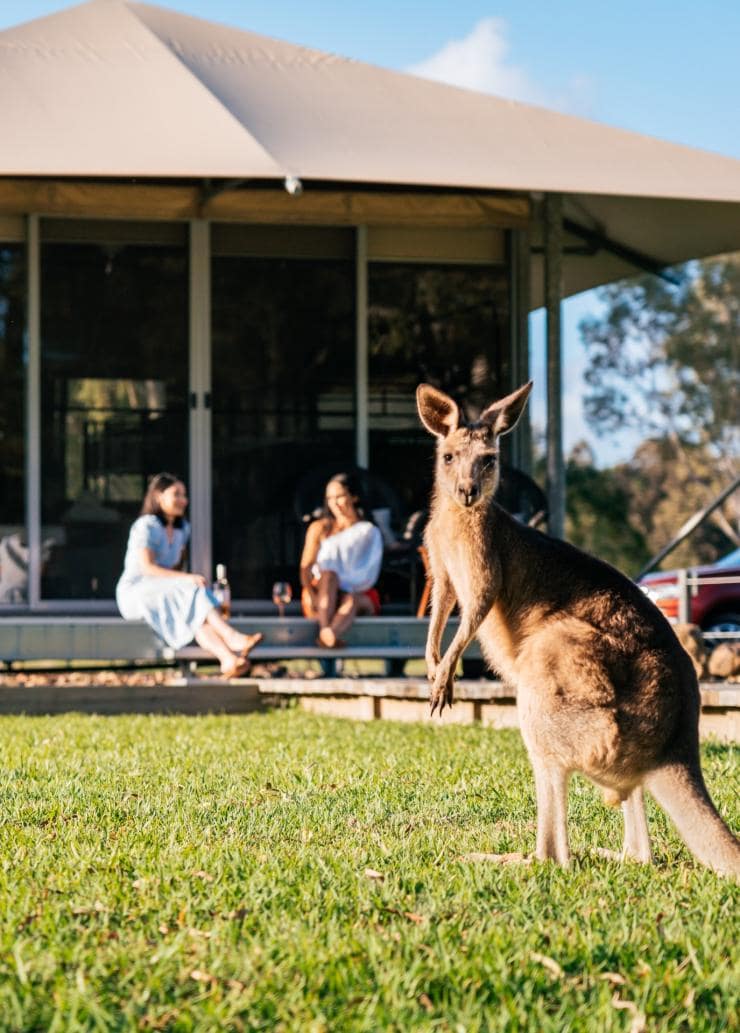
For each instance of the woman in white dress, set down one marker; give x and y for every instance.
(340, 564)
(154, 587)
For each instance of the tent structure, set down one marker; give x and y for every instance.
(116, 109)
(235, 109)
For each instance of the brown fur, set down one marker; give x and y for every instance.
(603, 686)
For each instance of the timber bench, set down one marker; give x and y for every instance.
(107, 639)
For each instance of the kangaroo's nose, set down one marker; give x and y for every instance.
(468, 493)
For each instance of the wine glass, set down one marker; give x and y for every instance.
(282, 593)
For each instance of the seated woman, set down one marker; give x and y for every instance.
(176, 604)
(340, 563)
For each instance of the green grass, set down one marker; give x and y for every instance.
(210, 874)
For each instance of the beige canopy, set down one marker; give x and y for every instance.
(113, 89)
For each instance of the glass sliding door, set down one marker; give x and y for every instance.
(283, 401)
(114, 391)
(13, 532)
(447, 325)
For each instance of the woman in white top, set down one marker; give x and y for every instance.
(340, 563)
(154, 587)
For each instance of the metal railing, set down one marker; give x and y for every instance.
(687, 585)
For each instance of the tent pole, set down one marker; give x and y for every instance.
(519, 262)
(199, 427)
(362, 432)
(33, 409)
(553, 298)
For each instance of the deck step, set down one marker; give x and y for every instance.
(111, 638)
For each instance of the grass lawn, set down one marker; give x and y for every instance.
(285, 872)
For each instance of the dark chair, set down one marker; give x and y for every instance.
(404, 556)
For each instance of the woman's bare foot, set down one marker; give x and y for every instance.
(326, 638)
(239, 643)
(250, 641)
(235, 668)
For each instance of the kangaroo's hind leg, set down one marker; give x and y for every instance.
(551, 784)
(636, 835)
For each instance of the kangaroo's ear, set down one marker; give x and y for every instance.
(439, 414)
(503, 415)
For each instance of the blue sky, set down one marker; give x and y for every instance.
(669, 69)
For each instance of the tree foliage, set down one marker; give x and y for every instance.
(599, 515)
(663, 360)
(627, 513)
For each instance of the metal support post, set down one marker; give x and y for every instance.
(553, 299)
(684, 603)
(362, 441)
(200, 391)
(33, 409)
(519, 273)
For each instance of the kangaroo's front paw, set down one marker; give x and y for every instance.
(442, 690)
(432, 666)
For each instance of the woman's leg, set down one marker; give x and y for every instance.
(345, 614)
(234, 640)
(350, 606)
(326, 606)
(209, 640)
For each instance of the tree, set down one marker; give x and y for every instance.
(627, 513)
(664, 359)
(666, 485)
(599, 513)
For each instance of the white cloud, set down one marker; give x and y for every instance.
(481, 62)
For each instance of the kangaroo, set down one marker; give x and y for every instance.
(603, 686)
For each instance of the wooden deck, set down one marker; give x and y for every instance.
(489, 703)
(101, 640)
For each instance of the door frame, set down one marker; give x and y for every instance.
(199, 424)
(199, 421)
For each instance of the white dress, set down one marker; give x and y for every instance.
(173, 607)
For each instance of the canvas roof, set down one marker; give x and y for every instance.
(114, 88)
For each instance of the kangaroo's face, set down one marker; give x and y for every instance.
(468, 453)
(468, 464)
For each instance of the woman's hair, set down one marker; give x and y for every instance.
(351, 484)
(158, 483)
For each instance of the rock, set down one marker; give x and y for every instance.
(724, 661)
(690, 637)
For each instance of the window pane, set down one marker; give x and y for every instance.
(13, 542)
(445, 325)
(114, 376)
(283, 403)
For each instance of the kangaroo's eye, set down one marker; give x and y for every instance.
(447, 457)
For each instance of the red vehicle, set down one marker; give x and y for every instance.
(713, 605)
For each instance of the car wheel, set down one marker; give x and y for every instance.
(725, 622)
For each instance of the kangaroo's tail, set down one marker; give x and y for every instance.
(679, 789)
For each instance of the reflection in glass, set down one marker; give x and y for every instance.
(283, 372)
(114, 392)
(445, 325)
(13, 543)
